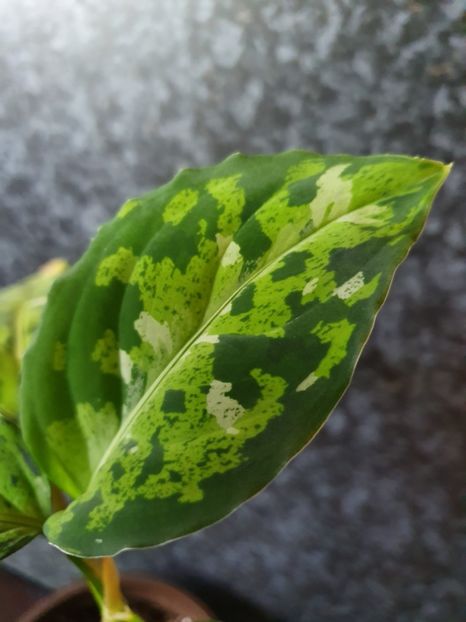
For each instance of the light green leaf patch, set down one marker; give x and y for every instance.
(21, 307)
(24, 496)
(218, 322)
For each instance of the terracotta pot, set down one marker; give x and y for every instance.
(152, 600)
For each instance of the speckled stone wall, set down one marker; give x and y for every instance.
(101, 100)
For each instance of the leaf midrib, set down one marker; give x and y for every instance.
(128, 421)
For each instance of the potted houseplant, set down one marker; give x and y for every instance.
(200, 343)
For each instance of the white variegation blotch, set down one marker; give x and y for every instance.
(231, 255)
(224, 408)
(310, 286)
(350, 287)
(333, 196)
(205, 338)
(126, 366)
(153, 332)
(307, 382)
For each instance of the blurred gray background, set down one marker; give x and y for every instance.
(101, 100)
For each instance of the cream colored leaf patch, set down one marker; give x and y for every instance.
(333, 197)
(307, 382)
(231, 255)
(350, 287)
(224, 408)
(155, 333)
(126, 366)
(310, 286)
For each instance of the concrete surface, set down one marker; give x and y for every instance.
(102, 100)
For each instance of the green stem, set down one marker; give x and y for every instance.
(91, 572)
(103, 579)
(115, 606)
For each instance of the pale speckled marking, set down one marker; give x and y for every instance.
(118, 266)
(226, 279)
(106, 353)
(176, 299)
(282, 223)
(191, 430)
(226, 309)
(225, 409)
(306, 168)
(206, 338)
(180, 205)
(333, 197)
(307, 382)
(337, 336)
(126, 366)
(270, 311)
(365, 291)
(350, 287)
(230, 199)
(133, 394)
(144, 361)
(232, 255)
(153, 332)
(310, 286)
(372, 215)
(287, 236)
(185, 291)
(211, 449)
(127, 207)
(222, 243)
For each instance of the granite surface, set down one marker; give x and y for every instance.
(102, 100)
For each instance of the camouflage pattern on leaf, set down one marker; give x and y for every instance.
(206, 335)
(21, 307)
(24, 496)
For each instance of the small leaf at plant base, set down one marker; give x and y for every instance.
(24, 496)
(206, 335)
(21, 307)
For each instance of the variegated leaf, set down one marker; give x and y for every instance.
(206, 335)
(21, 307)
(24, 496)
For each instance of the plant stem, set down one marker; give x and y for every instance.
(57, 499)
(101, 575)
(113, 598)
(90, 568)
(115, 607)
(103, 579)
